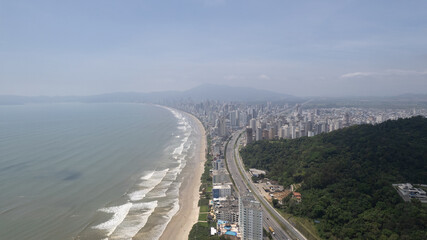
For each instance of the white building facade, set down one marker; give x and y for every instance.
(250, 218)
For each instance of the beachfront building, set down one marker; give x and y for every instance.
(218, 164)
(228, 210)
(250, 218)
(221, 190)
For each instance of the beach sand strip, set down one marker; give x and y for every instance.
(180, 225)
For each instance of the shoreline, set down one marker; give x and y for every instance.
(181, 223)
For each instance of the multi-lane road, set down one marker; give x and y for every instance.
(271, 218)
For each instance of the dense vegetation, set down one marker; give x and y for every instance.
(346, 178)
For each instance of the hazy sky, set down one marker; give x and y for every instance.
(303, 48)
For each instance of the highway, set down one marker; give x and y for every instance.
(243, 184)
(242, 188)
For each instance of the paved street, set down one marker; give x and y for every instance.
(268, 220)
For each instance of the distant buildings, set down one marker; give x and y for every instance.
(250, 218)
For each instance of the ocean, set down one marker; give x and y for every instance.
(91, 171)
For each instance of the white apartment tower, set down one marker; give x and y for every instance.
(253, 125)
(250, 218)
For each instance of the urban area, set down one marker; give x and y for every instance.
(241, 199)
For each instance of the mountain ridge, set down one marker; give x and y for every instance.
(199, 93)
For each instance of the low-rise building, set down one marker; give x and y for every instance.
(408, 192)
(256, 172)
(228, 210)
(221, 190)
(296, 196)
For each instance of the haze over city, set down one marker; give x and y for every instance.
(213, 119)
(310, 48)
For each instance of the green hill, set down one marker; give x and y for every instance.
(346, 178)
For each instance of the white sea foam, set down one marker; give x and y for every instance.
(135, 220)
(155, 179)
(147, 176)
(119, 214)
(175, 207)
(178, 150)
(149, 183)
(184, 128)
(139, 195)
(160, 190)
(159, 193)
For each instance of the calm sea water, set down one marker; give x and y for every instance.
(90, 171)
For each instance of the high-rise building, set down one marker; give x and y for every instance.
(293, 132)
(265, 134)
(258, 134)
(233, 118)
(222, 127)
(271, 133)
(281, 132)
(250, 218)
(253, 124)
(249, 135)
(242, 119)
(287, 131)
(346, 119)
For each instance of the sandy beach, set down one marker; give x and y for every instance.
(180, 225)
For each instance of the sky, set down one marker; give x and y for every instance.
(302, 48)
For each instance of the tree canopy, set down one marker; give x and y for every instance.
(346, 178)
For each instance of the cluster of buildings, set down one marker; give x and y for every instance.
(237, 216)
(240, 217)
(268, 121)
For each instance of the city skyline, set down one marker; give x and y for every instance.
(333, 48)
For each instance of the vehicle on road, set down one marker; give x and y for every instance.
(271, 230)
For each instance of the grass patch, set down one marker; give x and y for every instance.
(203, 202)
(203, 224)
(204, 208)
(203, 217)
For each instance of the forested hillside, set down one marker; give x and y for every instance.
(346, 178)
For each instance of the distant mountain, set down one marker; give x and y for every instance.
(411, 97)
(226, 93)
(202, 92)
(398, 101)
(346, 178)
